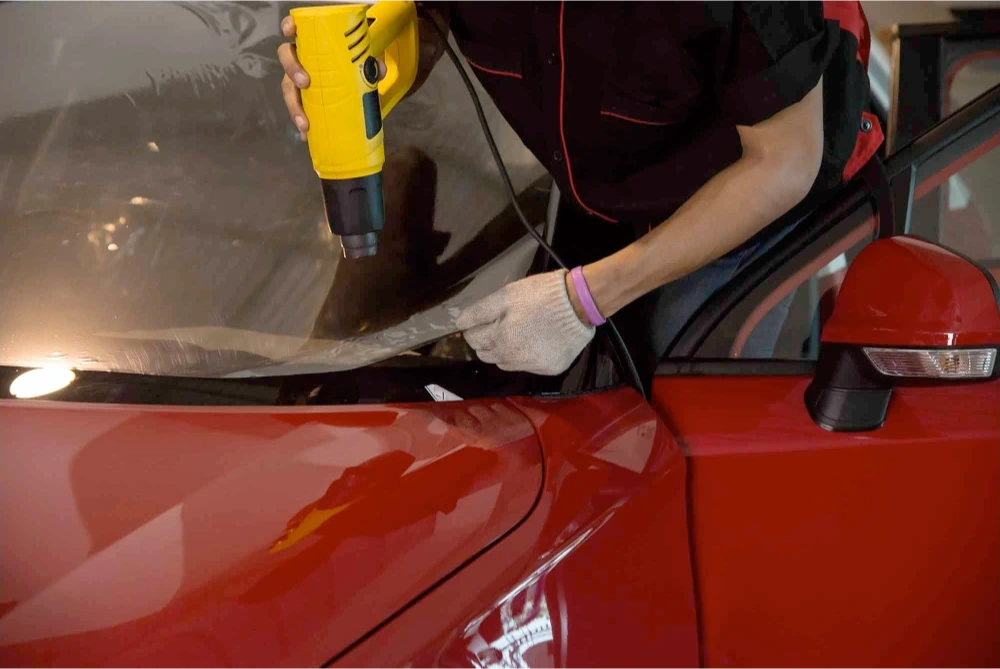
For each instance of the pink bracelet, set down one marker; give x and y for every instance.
(586, 299)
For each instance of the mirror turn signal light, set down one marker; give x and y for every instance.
(969, 363)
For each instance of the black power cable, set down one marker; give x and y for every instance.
(616, 338)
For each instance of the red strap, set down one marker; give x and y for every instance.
(865, 146)
(852, 19)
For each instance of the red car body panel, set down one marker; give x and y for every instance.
(598, 575)
(555, 532)
(840, 549)
(149, 536)
(944, 301)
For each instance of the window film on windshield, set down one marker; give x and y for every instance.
(158, 213)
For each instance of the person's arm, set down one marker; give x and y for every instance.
(769, 131)
(781, 158)
(296, 78)
(538, 325)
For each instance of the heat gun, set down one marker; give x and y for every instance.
(337, 46)
(346, 103)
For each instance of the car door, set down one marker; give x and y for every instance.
(840, 516)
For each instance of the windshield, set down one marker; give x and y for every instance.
(159, 215)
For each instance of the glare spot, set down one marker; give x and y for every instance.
(138, 199)
(112, 246)
(38, 382)
(110, 227)
(121, 220)
(152, 147)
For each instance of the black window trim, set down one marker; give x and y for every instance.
(735, 367)
(936, 149)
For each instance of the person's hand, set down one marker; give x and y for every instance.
(527, 326)
(296, 78)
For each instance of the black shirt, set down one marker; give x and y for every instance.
(632, 107)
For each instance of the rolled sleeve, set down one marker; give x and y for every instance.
(799, 45)
(779, 52)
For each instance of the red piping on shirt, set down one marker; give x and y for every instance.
(851, 18)
(501, 73)
(634, 120)
(562, 132)
(865, 146)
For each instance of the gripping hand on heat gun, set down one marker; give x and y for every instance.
(296, 78)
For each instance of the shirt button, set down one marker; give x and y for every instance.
(866, 125)
(552, 58)
(557, 156)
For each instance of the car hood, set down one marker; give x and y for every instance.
(151, 536)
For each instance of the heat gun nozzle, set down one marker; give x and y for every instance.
(359, 246)
(355, 212)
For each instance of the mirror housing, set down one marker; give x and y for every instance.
(908, 312)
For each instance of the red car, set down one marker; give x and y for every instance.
(220, 446)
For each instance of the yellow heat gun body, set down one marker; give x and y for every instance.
(345, 103)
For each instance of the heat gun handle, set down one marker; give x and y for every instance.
(394, 35)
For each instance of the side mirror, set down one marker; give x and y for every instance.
(909, 312)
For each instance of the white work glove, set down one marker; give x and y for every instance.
(527, 326)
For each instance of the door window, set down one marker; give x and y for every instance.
(958, 207)
(795, 300)
(801, 309)
(963, 213)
